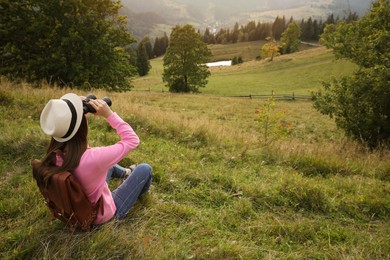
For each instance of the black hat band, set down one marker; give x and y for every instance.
(73, 119)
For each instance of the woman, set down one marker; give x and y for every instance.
(64, 120)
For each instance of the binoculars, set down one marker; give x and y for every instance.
(88, 108)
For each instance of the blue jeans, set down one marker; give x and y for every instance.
(128, 192)
(116, 171)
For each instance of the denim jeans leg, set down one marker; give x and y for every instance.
(115, 171)
(128, 192)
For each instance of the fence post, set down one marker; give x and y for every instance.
(250, 96)
(272, 93)
(293, 96)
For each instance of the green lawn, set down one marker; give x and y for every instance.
(300, 73)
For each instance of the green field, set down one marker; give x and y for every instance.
(301, 73)
(217, 192)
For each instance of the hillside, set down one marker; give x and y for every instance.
(300, 72)
(218, 13)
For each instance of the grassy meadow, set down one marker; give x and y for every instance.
(217, 192)
(301, 73)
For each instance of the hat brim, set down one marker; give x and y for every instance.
(78, 105)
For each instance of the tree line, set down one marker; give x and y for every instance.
(311, 30)
(145, 51)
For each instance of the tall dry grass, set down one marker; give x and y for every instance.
(231, 122)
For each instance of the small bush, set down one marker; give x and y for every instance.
(237, 60)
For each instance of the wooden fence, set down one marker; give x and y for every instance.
(291, 96)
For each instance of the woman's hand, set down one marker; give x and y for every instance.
(101, 107)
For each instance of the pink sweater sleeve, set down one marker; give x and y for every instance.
(107, 156)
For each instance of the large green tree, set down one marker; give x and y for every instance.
(291, 38)
(360, 103)
(74, 43)
(185, 61)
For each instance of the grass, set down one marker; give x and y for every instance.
(216, 192)
(247, 50)
(301, 73)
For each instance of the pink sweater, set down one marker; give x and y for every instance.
(95, 162)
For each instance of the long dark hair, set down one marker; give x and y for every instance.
(70, 151)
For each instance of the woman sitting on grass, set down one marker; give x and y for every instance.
(64, 120)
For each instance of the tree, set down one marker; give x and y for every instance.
(278, 27)
(143, 64)
(222, 36)
(307, 30)
(148, 47)
(290, 38)
(270, 123)
(237, 60)
(185, 61)
(75, 43)
(208, 37)
(160, 45)
(270, 49)
(360, 103)
(235, 32)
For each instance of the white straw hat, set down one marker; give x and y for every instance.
(61, 118)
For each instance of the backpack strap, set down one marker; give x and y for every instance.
(61, 193)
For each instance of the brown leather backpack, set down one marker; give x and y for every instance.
(67, 201)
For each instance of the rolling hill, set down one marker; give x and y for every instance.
(146, 16)
(284, 75)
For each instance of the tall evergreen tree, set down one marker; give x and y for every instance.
(160, 45)
(208, 37)
(307, 30)
(234, 34)
(157, 48)
(164, 43)
(330, 19)
(278, 27)
(316, 31)
(148, 47)
(143, 63)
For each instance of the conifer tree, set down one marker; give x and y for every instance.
(278, 27)
(143, 64)
(148, 47)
